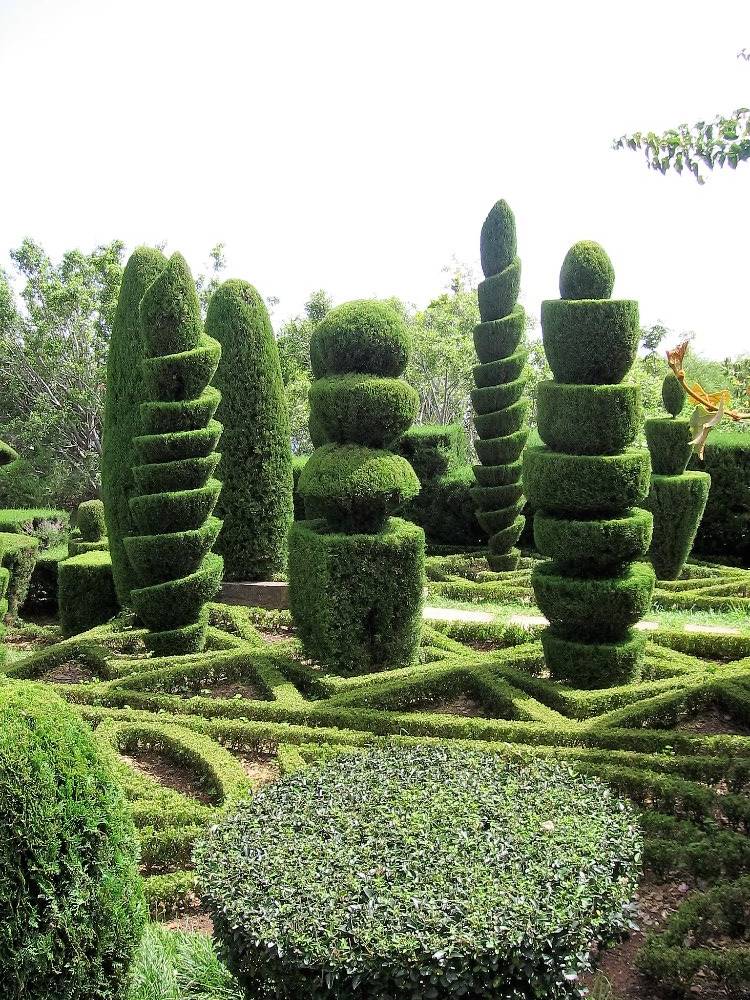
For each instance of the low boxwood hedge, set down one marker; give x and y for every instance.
(420, 872)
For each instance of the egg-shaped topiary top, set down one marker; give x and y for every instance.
(497, 241)
(170, 311)
(364, 336)
(586, 272)
(672, 395)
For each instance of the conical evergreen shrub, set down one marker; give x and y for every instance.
(676, 499)
(256, 466)
(175, 492)
(501, 412)
(356, 575)
(126, 390)
(586, 481)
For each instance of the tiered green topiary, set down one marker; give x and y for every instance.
(677, 498)
(500, 411)
(126, 390)
(256, 467)
(92, 529)
(587, 480)
(356, 575)
(71, 901)
(175, 491)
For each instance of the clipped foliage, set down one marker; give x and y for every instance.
(500, 411)
(356, 571)
(586, 481)
(672, 395)
(85, 591)
(677, 504)
(126, 390)
(177, 497)
(668, 440)
(18, 554)
(91, 529)
(449, 873)
(256, 467)
(71, 903)
(586, 272)
(725, 528)
(444, 506)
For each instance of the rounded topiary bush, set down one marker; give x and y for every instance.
(71, 902)
(672, 395)
(360, 336)
(420, 872)
(586, 272)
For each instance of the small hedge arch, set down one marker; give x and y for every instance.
(256, 466)
(126, 390)
(420, 872)
(71, 902)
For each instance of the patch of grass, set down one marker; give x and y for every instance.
(179, 965)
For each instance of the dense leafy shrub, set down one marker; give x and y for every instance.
(85, 591)
(256, 467)
(176, 497)
(725, 529)
(501, 415)
(18, 554)
(126, 390)
(91, 529)
(71, 904)
(355, 576)
(444, 506)
(421, 872)
(586, 483)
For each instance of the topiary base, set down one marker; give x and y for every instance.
(357, 599)
(86, 592)
(594, 665)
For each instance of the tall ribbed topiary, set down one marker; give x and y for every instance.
(356, 575)
(587, 481)
(122, 410)
(256, 466)
(175, 492)
(500, 411)
(677, 498)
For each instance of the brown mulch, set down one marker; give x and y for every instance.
(276, 636)
(190, 920)
(713, 722)
(462, 704)
(262, 769)
(69, 672)
(171, 774)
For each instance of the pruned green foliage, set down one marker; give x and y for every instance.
(672, 395)
(85, 591)
(586, 272)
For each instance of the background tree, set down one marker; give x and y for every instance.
(293, 341)
(725, 140)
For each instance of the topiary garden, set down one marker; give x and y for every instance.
(448, 775)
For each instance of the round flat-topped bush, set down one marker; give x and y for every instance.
(361, 336)
(420, 872)
(586, 272)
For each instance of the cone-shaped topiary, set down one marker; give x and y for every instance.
(126, 390)
(587, 481)
(676, 498)
(356, 575)
(501, 411)
(175, 493)
(256, 466)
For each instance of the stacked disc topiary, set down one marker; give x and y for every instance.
(500, 412)
(176, 494)
(356, 574)
(677, 498)
(587, 481)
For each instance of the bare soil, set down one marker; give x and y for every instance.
(171, 774)
(260, 768)
(713, 722)
(69, 672)
(462, 704)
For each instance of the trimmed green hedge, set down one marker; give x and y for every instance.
(590, 342)
(668, 441)
(673, 396)
(356, 599)
(498, 292)
(126, 390)
(586, 272)
(593, 543)
(256, 468)
(448, 873)
(725, 528)
(588, 419)
(593, 664)
(571, 484)
(177, 497)
(86, 592)
(362, 336)
(363, 409)
(677, 504)
(18, 554)
(498, 340)
(71, 902)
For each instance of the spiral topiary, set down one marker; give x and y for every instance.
(356, 574)
(586, 481)
(256, 466)
(500, 411)
(126, 390)
(676, 499)
(175, 492)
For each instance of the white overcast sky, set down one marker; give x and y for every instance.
(358, 146)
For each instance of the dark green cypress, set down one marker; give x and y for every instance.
(256, 467)
(125, 393)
